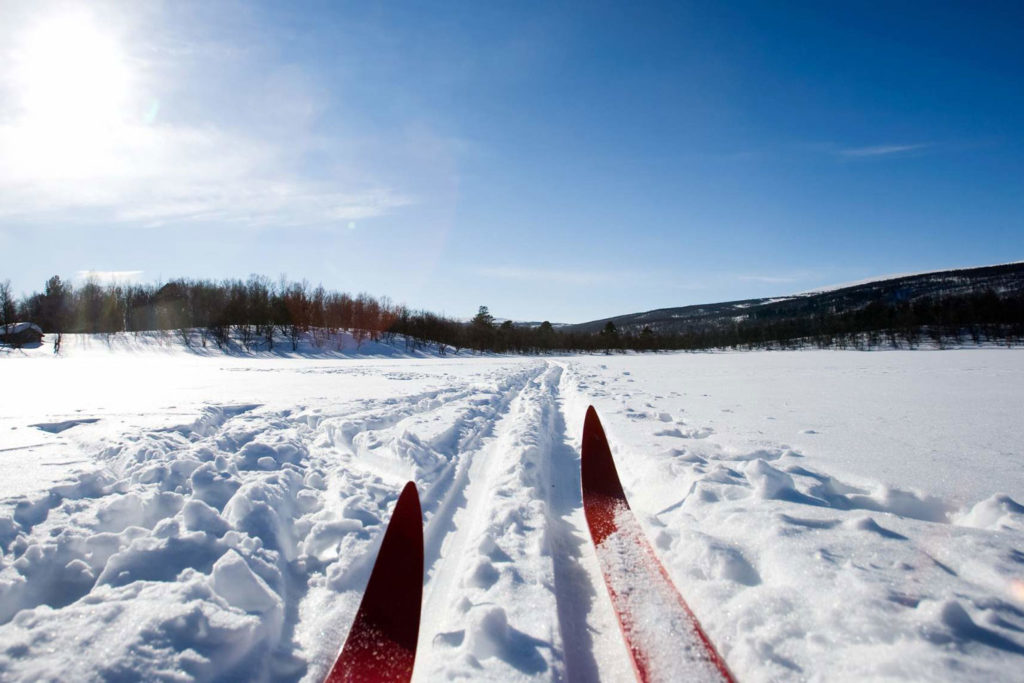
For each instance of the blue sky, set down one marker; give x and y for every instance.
(562, 161)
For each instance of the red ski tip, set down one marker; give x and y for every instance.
(381, 645)
(602, 492)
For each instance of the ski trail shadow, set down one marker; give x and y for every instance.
(574, 593)
(285, 658)
(960, 628)
(442, 501)
(521, 651)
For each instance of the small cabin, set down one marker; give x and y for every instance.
(20, 334)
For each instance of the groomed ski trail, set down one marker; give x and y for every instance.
(514, 594)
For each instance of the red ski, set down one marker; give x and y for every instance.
(662, 633)
(381, 645)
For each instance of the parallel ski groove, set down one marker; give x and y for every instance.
(575, 584)
(494, 578)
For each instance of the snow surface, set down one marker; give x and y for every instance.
(167, 514)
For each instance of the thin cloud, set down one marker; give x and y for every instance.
(770, 279)
(552, 275)
(664, 280)
(880, 150)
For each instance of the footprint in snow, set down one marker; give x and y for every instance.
(58, 427)
(868, 524)
(809, 523)
(701, 433)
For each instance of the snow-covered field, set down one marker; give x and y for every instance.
(828, 515)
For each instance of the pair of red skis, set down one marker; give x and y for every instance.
(663, 635)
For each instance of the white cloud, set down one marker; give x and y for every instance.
(223, 159)
(156, 175)
(108, 276)
(881, 150)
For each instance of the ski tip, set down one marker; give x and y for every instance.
(410, 496)
(598, 475)
(381, 644)
(593, 432)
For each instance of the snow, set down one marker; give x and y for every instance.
(827, 515)
(18, 328)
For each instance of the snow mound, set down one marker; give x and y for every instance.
(997, 512)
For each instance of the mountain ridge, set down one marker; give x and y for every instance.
(1002, 278)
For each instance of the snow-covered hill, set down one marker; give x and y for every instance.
(828, 515)
(1003, 279)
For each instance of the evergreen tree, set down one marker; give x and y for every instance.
(482, 329)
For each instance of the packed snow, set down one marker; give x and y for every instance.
(180, 514)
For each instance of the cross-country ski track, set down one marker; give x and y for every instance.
(232, 539)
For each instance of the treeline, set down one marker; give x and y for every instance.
(258, 313)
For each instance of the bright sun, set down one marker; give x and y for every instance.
(73, 84)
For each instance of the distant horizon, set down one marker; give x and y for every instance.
(101, 278)
(568, 162)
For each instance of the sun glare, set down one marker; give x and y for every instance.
(73, 84)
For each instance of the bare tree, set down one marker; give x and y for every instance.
(6, 305)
